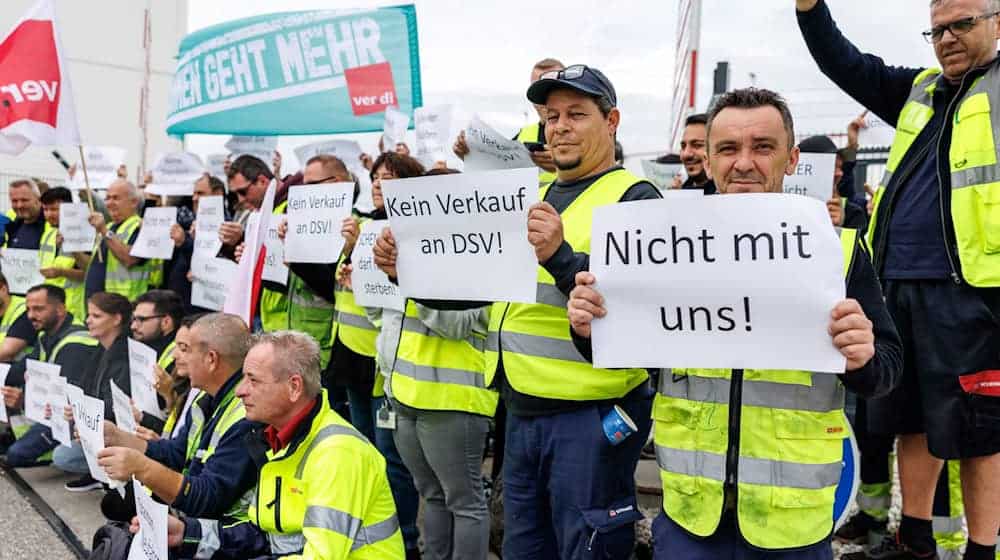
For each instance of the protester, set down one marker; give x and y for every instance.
(312, 510)
(248, 179)
(205, 470)
(936, 257)
(28, 225)
(154, 323)
(59, 342)
(178, 269)
(16, 331)
(58, 268)
(843, 211)
(765, 500)
(694, 154)
(110, 268)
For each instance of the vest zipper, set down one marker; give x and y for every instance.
(733, 449)
(275, 504)
(944, 224)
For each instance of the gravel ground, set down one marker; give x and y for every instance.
(30, 537)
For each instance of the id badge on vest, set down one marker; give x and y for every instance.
(386, 417)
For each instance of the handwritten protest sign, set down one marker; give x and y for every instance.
(122, 406)
(347, 151)
(88, 418)
(150, 543)
(102, 167)
(37, 380)
(154, 240)
(394, 131)
(20, 268)
(209, 218)
(174, 174)
(261, 147)
(752, 274)
(455, 232)
(371, 286)
(4, 370)
(215, 165)
(433, 129)
(488, 149)
(876, 132)
(275, 269)
(239, 297)
(210, 278)
(813, 176)
(142, 378)
(78, 235)
(662, 174)
(57, 405)
(315, 213)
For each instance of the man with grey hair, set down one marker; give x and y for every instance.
(322, 490)
(28, 224)
(110, 268)
(206, 470)
(935, 239)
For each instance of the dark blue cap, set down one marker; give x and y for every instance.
(579, 77)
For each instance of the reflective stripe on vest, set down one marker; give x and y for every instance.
(166, 358)
(532, 133)
(15, 308)
(287, 505)
(539, 357)
(974, 166)
(120, 279)
(78, 335)
(311, 314)
(789, 455)
(433, 372)
(352, 326)
(49, 257)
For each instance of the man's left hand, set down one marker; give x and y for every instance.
(120, 462)
(852, 333)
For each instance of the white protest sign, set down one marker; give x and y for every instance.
(78, 235)
(88, 417)
(174, 174)
(142, 378)
(102, 167)
(261, 147)
(315, 213)
(211, 214)
(20, 267)
(154, 240)
(210, 278)
(37, 380)
(150, 543)
(488, 149)
(813, 176)
(215, 165)
(4, 370)
(240, 293)
(57, 405)
(122, 406)
(662, 174)
(348, 151)
(876, 132)
(275, 269)
(456, 233)
(735, 281)
(371, 286)
(394, 131)
(433, 128)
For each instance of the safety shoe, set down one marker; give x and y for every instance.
(861, 529)
(83, 484)
(889, 548)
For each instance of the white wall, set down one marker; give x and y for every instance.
(102, 44)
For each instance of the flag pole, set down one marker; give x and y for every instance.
(90, 193)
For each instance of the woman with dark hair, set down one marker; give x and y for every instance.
(108, 319)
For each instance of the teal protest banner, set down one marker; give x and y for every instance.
(314, 72)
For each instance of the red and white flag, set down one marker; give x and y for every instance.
(36, 100)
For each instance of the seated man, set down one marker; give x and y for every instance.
(60, 342)
(206, 470)
(322, 490)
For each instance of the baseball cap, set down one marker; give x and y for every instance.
(579, 77)
(817, 145)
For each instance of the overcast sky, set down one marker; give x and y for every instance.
(478, 54)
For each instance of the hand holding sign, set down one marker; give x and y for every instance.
(852, 334)
(154, 240)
